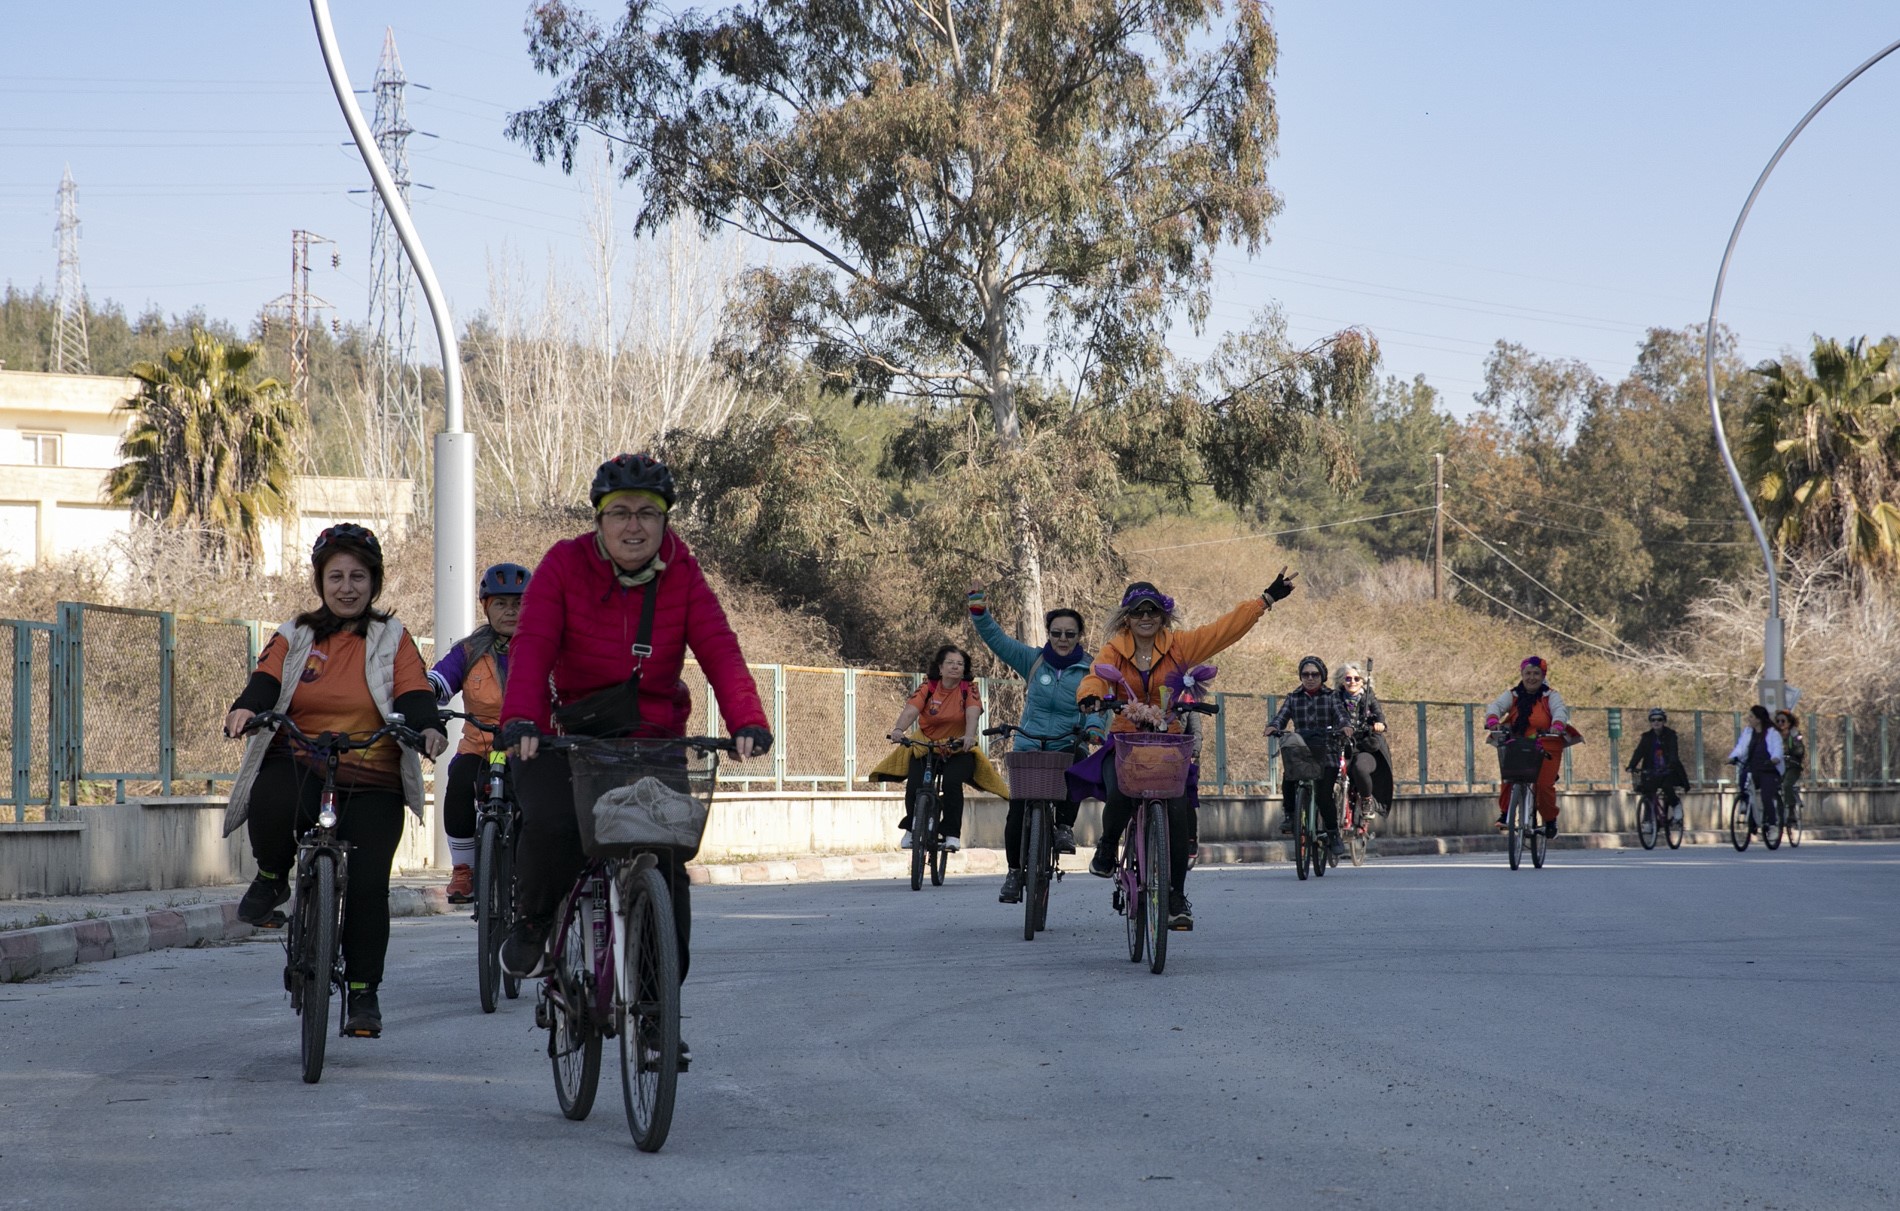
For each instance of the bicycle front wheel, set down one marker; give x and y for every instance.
(318, 961)
(1035, 854)
(1738, 822)
(923, 822)
(573, 1038)
(1648, 810)
(650, 1022)
(505, 915)
(1771, 833)
(1154, 891)
(1130, 877)
(1302, 850)
(1514, 822)
(488, 914)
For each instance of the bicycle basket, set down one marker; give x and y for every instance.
(1038, 775)
(634, 795)
(1520, 760)
(1152, 764)
(1300, 762)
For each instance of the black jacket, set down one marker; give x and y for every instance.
(1641, 762)
(1362, 713)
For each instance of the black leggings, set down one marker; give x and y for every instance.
(1359, 773)
(1322, 795)
(957, 769)
(458, 798)
(1118, 809)
(1013, 827)
(284, 804)
(548, 855)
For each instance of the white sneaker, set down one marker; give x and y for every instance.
(952, 844)
(903, 842)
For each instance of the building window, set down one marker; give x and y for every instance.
(42, 449)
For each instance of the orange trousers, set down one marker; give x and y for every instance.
(1545, 793)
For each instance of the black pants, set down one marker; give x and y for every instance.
(1663, 783)
(284, 804)
(1322, 795)
(548, 855)
(1790, 786)
(1359, 773)
(1767, 793)
(458, 798)
(1118, 809)
(1066, 811)
(958, 768)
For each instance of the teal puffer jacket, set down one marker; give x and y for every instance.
(1049, 703)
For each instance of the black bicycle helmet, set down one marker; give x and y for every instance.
(347, 536)
(505, 580)
(632, 472)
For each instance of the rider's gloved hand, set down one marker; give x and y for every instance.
(978, 603)
(521, 738)
(760, 741)
(1093, 735)
(1490, 723)
(1281, 587)
(1089, 705)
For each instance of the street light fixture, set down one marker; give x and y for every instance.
(1773, 687)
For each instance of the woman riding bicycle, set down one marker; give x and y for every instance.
(605, 629)
(342, 667)
(1758, 750)
(1370, 773)
(1050, 676)
(477, 669)
(1146, 649)
(947, 709)
(1320, 717)
(1794, 749)
(1533, 708)
(1657, 762)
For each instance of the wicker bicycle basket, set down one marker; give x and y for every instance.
(1520, 760)
(1152, 764)
(1038, 775)
(635, 795)
(1300, 763)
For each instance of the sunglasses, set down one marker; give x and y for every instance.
(1145, 612)
(1065, 634)
(1348, 678)
(1308, 673)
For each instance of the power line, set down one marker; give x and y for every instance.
(1540, 584)
(1324, 525)
(1538, 622)
(1550, 500)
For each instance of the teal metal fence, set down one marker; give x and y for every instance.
(105, 698)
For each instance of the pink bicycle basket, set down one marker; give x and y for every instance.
(1152, 765)
(1038, 775)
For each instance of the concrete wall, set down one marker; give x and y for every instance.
(164, 843)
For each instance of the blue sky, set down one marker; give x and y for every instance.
(1560, 175)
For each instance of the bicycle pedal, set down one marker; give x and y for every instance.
(1186, 926)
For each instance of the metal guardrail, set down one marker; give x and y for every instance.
(106, 696)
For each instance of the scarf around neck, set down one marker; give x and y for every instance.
(1058, 663)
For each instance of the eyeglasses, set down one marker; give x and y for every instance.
(1348, 679)
(620, 517)
(1305, 673)
(1146, 611)
(1065, 634)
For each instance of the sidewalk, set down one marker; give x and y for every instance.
(43, 935)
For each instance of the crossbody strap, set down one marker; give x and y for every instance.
(643, 636)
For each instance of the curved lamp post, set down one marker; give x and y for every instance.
(1773, 675)
(454, 448)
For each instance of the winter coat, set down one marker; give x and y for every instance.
(1049, 697)
(476, 671)
(577, 635)
(1175, 652)
(1642, 761)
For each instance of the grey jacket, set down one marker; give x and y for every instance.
(379, 664)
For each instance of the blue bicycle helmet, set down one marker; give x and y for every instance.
(505, 580)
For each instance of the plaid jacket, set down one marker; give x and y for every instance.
(1311, 714)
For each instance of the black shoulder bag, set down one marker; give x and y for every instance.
(615, 711)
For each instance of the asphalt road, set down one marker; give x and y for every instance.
(1621, 1029)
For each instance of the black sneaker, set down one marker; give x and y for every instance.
(1102, 865)
(1334, 845)
(1503, 816)
(1180, 912)
(261, 898)
(1286, 825)
(1012, 892)
(362, 1016)
(524, 952)
(1065, 840)
(1550, 829)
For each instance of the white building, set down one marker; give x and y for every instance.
(59, 436)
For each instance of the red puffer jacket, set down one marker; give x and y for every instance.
(577, 631)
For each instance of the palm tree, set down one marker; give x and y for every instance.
(1823, 453)
(212, 450)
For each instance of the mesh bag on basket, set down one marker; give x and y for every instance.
(1300, 762)
(1520, 760)
(1038, 775)
(1152, 765)
(639, 796)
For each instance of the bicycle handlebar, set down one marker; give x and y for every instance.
(1004, 729)
(333, 742)
(705, 744)
(493, 729)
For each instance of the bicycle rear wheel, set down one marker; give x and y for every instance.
(923, 824)
(488, 914)
(1035, 854)
(650, 1027)
(1302, 851)
(939, 862)
(1130, 876)
(1540, 845)
(1648, 811)
(318, 961)
(1791, 821)
(1356, 842)
(1672, 826)
(1738, 822)
(1154, 892)
(1514, 823)
(573, 1038)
